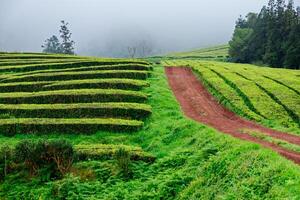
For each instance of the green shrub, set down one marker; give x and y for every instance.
(10, 127)
(6, 160)
(12, 62)
(126, 84)
(59, 76)
(61, 153)
(80, 110)
(27, 68)
(61, 189)
(26, 153)
(108, 151)
(123, 160)
(55, 155)
(73, 96)
(132, 66)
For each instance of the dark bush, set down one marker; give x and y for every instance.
(6, 160)
(61, 153)
(26, 153)
(56, 156)
(123, 160)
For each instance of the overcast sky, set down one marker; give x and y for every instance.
(172, 24)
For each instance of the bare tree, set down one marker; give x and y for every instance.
(145, 48)
(132, 51)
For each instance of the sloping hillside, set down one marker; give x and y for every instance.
(266, 95)
(45, 94)
(171, 156)
(216, 53)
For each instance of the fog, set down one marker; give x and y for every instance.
(105, 27)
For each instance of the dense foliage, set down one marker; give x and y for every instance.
(271, 37)
(192, 162)
(53, 158)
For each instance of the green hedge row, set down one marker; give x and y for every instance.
(91, 68)
(56, 76)
(73, 96)
(28, 56)
(33, 62)
(10, 127)
(23, 86)
(126, 84)
(83, 110)
(107, 151)
(26, 68)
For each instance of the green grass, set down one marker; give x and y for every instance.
(72, 96)
(192, 162)
(281, 143)
(128, 84)
(245, 90)
(83, 110)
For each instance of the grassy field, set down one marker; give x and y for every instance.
(172, 157)
(269, 96)
(216, 52)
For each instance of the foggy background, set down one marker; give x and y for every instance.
(107, 27)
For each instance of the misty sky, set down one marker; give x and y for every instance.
(171, 24)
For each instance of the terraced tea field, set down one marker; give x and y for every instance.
(211, 53)
(268, 96)
(42, 93)
(132, 137)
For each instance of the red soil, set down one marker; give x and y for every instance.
(198, 104)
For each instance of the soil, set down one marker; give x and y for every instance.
(198, 104)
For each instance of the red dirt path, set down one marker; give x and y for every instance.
(197, 103)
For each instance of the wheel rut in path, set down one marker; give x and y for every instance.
(198, 104)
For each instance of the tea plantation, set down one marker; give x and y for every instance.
(43, 94)
(120, 126)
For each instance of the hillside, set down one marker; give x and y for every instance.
(215, 53)
(119, 103)
(268, 96)
(83, 102)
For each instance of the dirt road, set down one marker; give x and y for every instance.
(198, 104)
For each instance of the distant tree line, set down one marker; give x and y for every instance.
(271, 37)
(53, 45)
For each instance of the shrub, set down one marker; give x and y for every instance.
(6, 159)
(123, 160)
(10, 127)
(61, 153)
(55, 155)
(26, 153)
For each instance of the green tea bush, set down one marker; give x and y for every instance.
(10, 127)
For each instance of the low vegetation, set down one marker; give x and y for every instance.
(171, 157)
(216, 53)
(249, 91)
(68, 95)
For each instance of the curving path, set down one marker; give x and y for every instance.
(197, 103)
